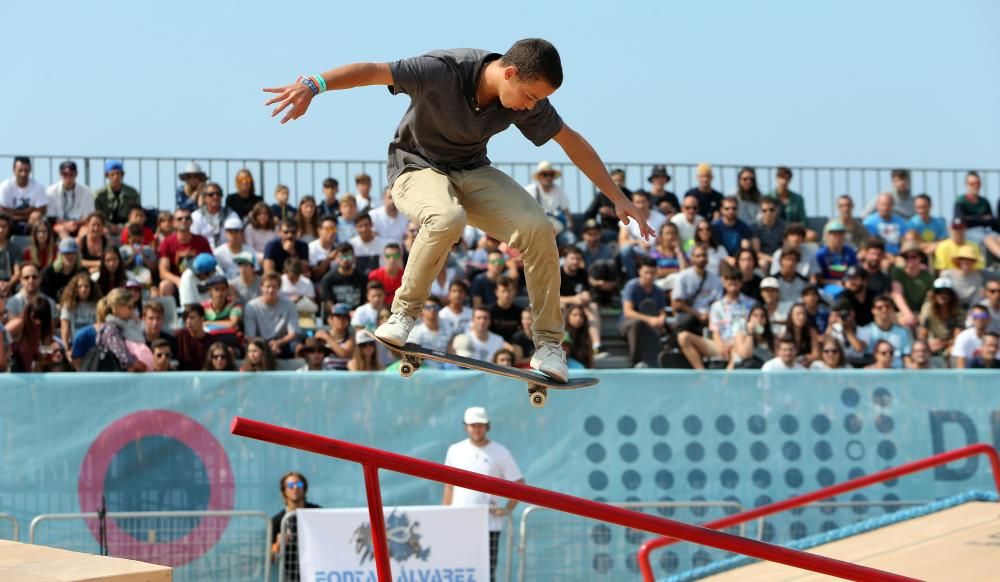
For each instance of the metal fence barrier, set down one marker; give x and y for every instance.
(9, 528)
(204, 546)
(558, 546)
(157, 178)
(288, 551)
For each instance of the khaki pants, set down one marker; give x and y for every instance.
(492, 201)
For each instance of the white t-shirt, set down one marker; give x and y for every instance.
(224, 257)
(655, 220)
(366, 317)
(188, 289)
(685, 229)
(210, 225)
(74, 204)
(16, 198)
(966, 345)
(372, 248)
(440, 290)
(484, 350)
(387, 227)
(776, 365)
(455, 323)
(493, 460)
(303, 287)
(434, 340)
(552, 202)
(317, 254)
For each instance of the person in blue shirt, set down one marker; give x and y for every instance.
(189, 193)
(930, 228)
(835, 257)
(644, 320)
(886, 225)
(730, 230)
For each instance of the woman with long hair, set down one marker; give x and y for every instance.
(307, 217)
(78, 306)
(577, 327)
(831, 356)
(259, 229)
(111, 273)
(754, 344)
(883, 352)
(801, 327)
(122, 333)
(34, 342)
(42, 248)
(667, 252)
(717, 254)
(365, 358)
(748, 195)
(94, 241)
(219, 359)
(164, 227)
(941, 318)
(746, 264)
(259, 358)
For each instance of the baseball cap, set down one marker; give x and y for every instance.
(590, 224)
(944, 283)
(216, 279)
(958, 223)
(462, 345)
(112, 165)
(68, 165)
(244, 259)
(854, 271)
(133, 284)
(475, 415)
(340, 309)
(362, 337)
(835, 226)
(770, 283)
(204, 263)
(68, 245)
(232, 223)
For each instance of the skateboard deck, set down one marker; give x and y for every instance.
(413, 355)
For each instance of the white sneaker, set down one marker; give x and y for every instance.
(396, 329)
(550, 359)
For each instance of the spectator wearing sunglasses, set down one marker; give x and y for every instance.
(294, 487)
(884, 327)
(390, 274)
(884, 355)
(210, 217)
(278, 250)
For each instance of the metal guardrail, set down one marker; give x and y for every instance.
(289, 572)
(199, 545)
(15, 529)
(566, 540)
(157, 178)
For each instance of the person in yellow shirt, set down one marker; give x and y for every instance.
(948, 248)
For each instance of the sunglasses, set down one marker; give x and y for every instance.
(498, 262)
(432, 307)
(218, 356)
(213, 193)
(295, 485)
(547, 174)
(183, 218)
(392, 255)
(291, 232)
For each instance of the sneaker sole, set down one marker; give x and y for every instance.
(390, 341)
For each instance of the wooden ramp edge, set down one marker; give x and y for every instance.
(957, 544)
(29, 563)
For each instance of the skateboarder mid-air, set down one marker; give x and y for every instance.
(441, 178)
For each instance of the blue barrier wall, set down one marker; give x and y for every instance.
(161, 442)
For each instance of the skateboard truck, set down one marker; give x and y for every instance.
(537, 395)
(408, 366)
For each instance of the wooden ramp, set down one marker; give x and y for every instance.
(28, 563)
(957, 544)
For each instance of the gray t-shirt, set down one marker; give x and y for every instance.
(270, 321)
(690, 289)
(17, 303)
(443, 128)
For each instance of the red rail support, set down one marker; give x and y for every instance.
(373, 459)
(792, 502)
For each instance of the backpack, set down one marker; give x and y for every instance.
(100, 359)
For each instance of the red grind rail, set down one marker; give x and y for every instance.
(792, 502)
(374, 459)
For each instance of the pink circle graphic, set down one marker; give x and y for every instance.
(145, 423)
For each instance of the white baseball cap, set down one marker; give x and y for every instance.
(770, 283)
(476, 415)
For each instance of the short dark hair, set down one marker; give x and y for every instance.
(373, 284)
(731, 273)
(794, 228)
(506, 282)
(644, 262)
(160, 343)
(641, 193)
(135, 230)
(21, 160)
(572, 250)
(328, 218)
(363, 216)
(784, 172)
(901, 173)
(154, 306)
(789, 251)
(535, 59)
(194, 308)
(392, 245)
(972, 174)
(290, 223)
(345, 247)
(874, 243)
(924, 197)
(359, 178)
(460, 284)
(331, 183)
(787, 339)
(992, 334)
(434, 299)
(884, 299)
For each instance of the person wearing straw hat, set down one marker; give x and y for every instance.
(442, 179)
(553, 200)
(965, 277)
(189, 193)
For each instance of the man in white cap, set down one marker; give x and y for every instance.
(189, 193)
(226, 253)
(481, 455)
(553, 200)
(209, 218)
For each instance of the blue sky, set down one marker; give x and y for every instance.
(810, 83)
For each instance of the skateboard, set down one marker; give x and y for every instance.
(412, 355)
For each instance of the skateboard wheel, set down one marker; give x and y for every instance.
(406, 369)
(537, 398)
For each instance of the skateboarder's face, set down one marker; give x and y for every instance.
(516, 93)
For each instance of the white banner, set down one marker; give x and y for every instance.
(426, 544)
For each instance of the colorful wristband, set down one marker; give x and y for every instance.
(308, 82)
(321, 82)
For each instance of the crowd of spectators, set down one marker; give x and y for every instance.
(92, 280)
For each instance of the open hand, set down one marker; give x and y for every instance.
(297, 95)
(626, 210)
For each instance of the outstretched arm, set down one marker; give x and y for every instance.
(298, 96)
(584, 157)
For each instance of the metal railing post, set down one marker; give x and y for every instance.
(379, 544)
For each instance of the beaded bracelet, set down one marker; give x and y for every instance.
(308, 82)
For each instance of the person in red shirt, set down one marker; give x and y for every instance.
(136, 215)
(390, 274)
(177, 250)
